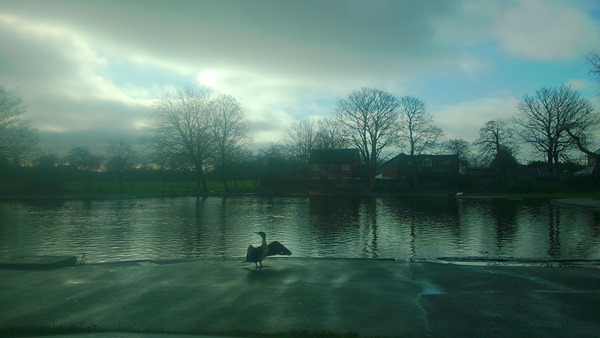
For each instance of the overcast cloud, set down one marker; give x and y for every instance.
(96, 67)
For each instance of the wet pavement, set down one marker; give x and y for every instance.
(382, 298)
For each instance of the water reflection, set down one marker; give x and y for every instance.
(553, 232)
(333, 225)
(316, 226)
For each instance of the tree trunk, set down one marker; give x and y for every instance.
(550, 160)
(224, 176)
(201, 183)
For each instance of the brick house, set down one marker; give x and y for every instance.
(334, 164)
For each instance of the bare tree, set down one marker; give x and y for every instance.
(544, 118)
(581, 130)
(300, 138)
(82, 159)
(181, 133)
(276, 163)
(593, 62)
(120, 157)
(368, 117)
(495, 136)
(330, 135)
(461, 148)
(417, 131)
(18, 139)
(229, 127)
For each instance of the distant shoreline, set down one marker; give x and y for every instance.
(583, 200)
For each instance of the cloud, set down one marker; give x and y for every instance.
(530, 29)
(61, 78)
(96, 140)
(577, 84)
(92, 65)
(546, 30)
(463, 120)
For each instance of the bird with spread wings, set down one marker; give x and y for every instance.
(257, 254)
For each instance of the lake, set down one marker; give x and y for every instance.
(317, 226)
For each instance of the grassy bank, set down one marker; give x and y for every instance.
(78, 189)
(107, 189)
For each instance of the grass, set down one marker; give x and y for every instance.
(106, 188)
(145, 187)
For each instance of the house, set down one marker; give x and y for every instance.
(591, 164)
(403, 166)
(334, 164)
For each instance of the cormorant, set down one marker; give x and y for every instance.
(256, 255)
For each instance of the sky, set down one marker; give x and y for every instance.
(90, 71)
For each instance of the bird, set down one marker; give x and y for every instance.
(257, 254)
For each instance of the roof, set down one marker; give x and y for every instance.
(421, 156)
(334, 155)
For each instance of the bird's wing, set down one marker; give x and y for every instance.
(252, 254)
(276, 248)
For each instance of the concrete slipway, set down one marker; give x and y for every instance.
(367, 297)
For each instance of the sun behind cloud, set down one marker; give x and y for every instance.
(208, 78)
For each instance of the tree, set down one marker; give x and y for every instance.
(18, 140)
(181, 133)
(544, 118)
(82, 159)
(229, 127)
(580, 130)
(301, 139)
(120, 156)
(416, 129)
(276, 164)
(495, 136)
(368, 117)
(329, 135)
(593, 62)
(47, 176)
(461, 148)
(503, 160)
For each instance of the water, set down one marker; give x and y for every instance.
(321, 226)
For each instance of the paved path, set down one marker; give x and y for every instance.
(367, 297)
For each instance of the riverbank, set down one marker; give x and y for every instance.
(279, 192)
(583, 200)
(294, 297)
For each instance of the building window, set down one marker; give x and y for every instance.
(331, 166)
(427, 162)
(346, 166)
(316, 167)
